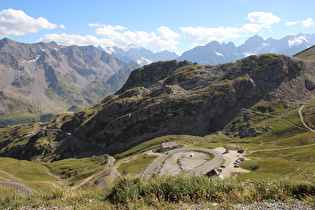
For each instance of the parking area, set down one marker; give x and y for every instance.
(230, 163)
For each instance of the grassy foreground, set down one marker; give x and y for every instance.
(166, 193)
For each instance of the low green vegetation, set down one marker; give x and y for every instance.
(166, 193)
(202, 189)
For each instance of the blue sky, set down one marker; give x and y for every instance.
(157, 25)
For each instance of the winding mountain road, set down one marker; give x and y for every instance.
(216, 161)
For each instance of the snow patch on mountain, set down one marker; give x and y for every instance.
(246, 54)
(143, 61)
(218, 54)
(109, 50)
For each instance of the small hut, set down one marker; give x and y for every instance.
(168, 146)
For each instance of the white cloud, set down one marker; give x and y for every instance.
(16, 22)
(203, 34)
(118, 36)
(67, 39)
(167, 33)
(308, 22)
(123, 38)
(291, 23)
(263, 17)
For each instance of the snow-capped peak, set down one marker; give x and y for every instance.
(109, 50)
(143, 61)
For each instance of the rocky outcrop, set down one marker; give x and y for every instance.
(151, 74)
(185, 98)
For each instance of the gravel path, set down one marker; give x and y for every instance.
(273, 205)
(302, 119)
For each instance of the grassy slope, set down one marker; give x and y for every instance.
(28, 173)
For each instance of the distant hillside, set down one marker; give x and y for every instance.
(46, 77)
(308, 54)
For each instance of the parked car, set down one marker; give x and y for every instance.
(236, 166)
(222, 166)
(241, 158)
(240, 151)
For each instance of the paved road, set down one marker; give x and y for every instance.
(147, 173)
(18, 186)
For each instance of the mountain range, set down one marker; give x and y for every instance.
(171, 97)
(47, 77)
(41, 78)
(215, 53)
(141, 55)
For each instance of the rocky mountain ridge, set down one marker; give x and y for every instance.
(185, 98)
(47, 77)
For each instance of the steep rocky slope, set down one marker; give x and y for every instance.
(185, 98)
(46, 77)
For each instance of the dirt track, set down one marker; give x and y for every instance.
(302, 119)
